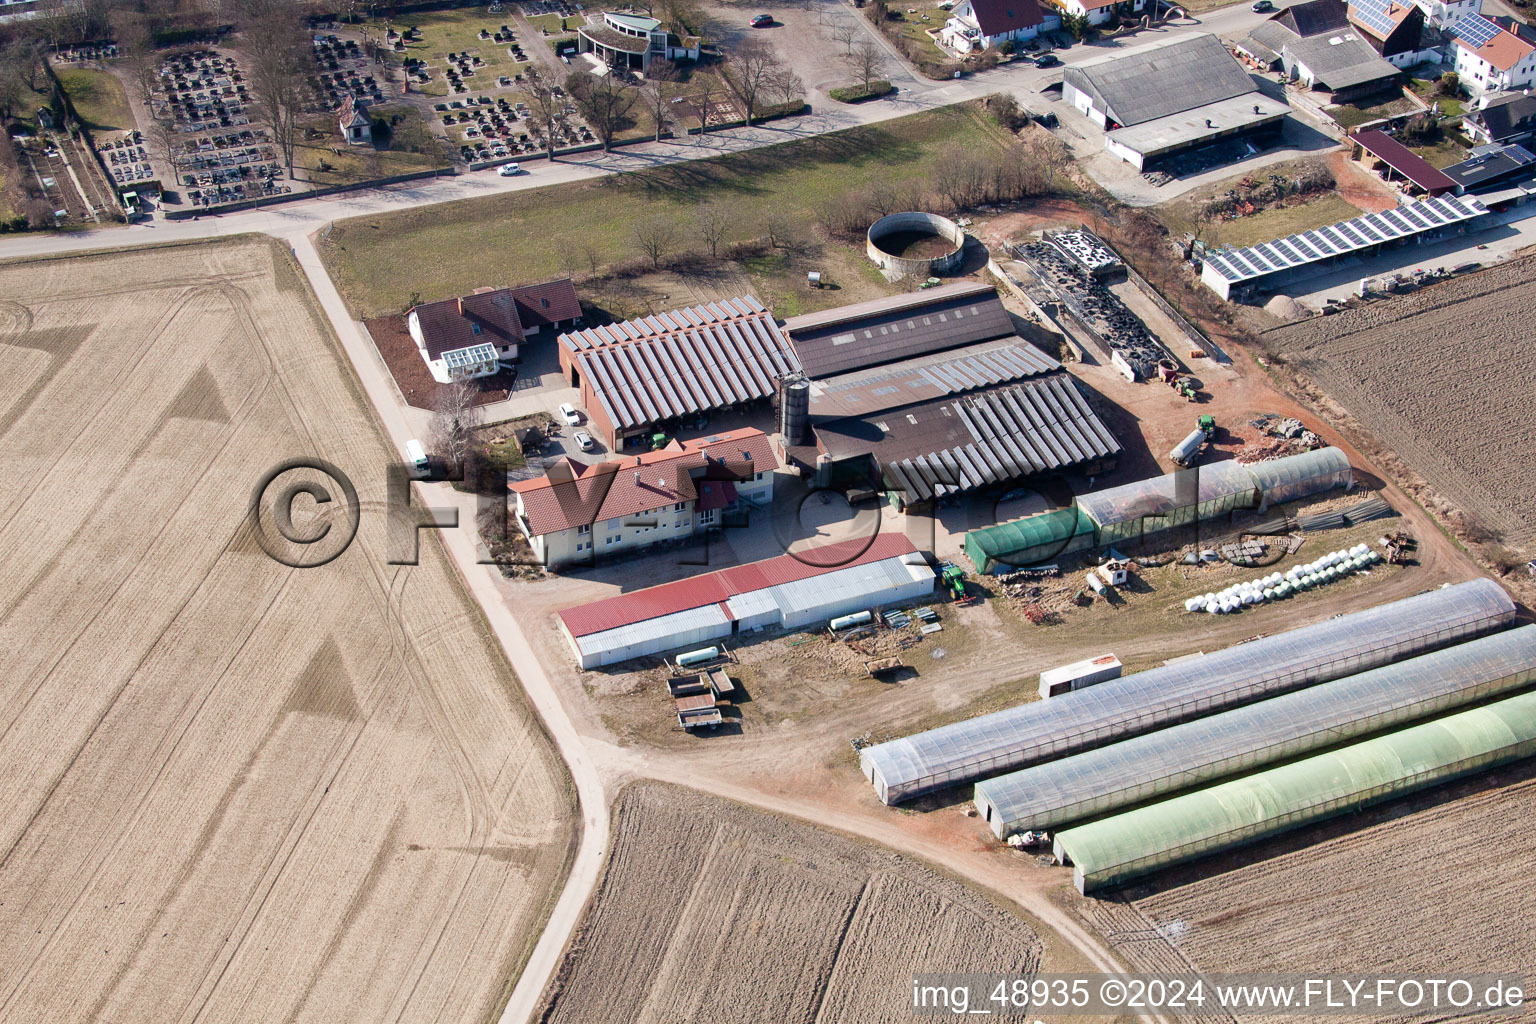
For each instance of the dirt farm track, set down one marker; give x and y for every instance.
(232, 790)
(1444, 379)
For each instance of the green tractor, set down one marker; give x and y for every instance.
(952, 578)
(1207, 426)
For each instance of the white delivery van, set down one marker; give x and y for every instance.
(416, 456)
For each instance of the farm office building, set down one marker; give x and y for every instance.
(576, 514)
(1162, 98)
(471, 336)
(790, 592)
(1121, 708)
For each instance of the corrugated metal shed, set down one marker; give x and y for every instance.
(1098, 781)
(1269, 802)
(682, 362)
(885, 330)
(1152, 80)
(1011, 739)
(971, 368)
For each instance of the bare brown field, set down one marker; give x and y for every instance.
(710, 911)
(231, 790)
(1442, 378)
(1435, 884)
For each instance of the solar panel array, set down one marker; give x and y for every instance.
(1474, 30)
(473, 356)
(682, 362)
(1349, 236)
(1373, 15)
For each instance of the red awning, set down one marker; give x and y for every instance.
(715, 494)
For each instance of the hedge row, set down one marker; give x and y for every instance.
(859, 93)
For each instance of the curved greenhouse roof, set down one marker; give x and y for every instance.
(1260, 805)
(1226, 482)
(1097, 781)
(1297, 476)
(1034, 537)
(1120, 708)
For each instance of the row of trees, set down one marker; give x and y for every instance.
(753, 74)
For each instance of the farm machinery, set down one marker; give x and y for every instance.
(952, 579)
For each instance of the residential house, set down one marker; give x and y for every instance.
(1509, 118)
(1445, 13)
(631, 42)
(1490, 57)
(471, 336)
(577, 513)
(356, 125)
(1099, 11)
(976, 25)
(1398, 30)
(1319, 47)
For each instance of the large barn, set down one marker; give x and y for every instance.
(789, 591)
(1166, 97)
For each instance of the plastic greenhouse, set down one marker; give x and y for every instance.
(1096, 782)
(1256, 806)
(1119, 708)
(1031, 540)
(1297, 476)
(1163, 502)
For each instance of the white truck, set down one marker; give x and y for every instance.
(416, 458)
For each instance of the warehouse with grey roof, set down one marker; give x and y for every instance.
(1166, 97)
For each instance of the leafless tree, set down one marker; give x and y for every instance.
(165, 140)
(778, 229)
(547, 106)
(845, 32)
(714, 220)
(868, 62)
(660, 88)
(655, 239)
(785, 86)
(454, 419)
(1047, 157)
(593, 256)
(960, 178)
(705, 90)
(140, 62)
(749, 74)
(843, 215)
(605, 103)
(20, 75)
(279, 57)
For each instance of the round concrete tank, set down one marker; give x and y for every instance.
(892, 237)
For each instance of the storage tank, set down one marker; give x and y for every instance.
(1186, 451)
(851, 620)
(795, 409)
(698, 657)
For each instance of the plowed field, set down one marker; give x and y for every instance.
(232, 790)
(1443, 378)
(713, 912)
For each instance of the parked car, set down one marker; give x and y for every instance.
(569, 414)
(584, 440)
(1047, 60)
(761, 20)
(1261, 6)
(508, 170)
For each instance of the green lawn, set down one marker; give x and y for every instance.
(377, 262)
(914, 28)
(1443, 153)
(1429, 90)
(552, 22)
(445, 32)
(1350, 115)
(329, 161)
(99, 98)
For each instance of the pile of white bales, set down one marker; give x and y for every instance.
(1333, 566)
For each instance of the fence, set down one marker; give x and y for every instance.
(329, 190)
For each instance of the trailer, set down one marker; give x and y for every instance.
(881, 666)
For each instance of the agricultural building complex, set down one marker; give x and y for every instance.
(1157, 99)
(1269, 802)
(935, 394)
(471, 336)
(1238, 272)
(789, 591)
(1121, 708)
(1317, 45)
(1144, 507)
(1095, 782)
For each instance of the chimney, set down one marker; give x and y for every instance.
(1255, 108)
(1208, 120)
(461, 306)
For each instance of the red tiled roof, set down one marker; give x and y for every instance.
(550, 302)
(1503, 51)
(999, 17)
(572, 494)
(1403, 160)
(717, 587)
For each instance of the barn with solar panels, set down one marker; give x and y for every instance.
(1237, 273)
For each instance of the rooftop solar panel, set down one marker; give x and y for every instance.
(1226, 270)
(1299, 243)
(1253, 256)
(1366, 229)
(1386, 225)
(1475, 30)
